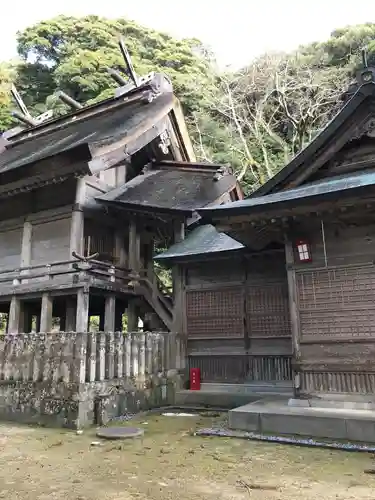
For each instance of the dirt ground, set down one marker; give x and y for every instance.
(170, 463)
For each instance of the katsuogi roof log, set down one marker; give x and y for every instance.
(111, 131)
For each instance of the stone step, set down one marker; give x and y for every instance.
(221, 399)
(268, 416)
(250, 387)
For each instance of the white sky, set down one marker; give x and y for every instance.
(237, 30)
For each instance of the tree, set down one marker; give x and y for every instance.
(255, 119)
(73, 54)
(271, 110)
(7, 71)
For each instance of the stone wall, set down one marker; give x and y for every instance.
(78, 379)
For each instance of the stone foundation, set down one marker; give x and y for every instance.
(79, 379)
(77, 406)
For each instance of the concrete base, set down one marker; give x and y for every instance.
(232, 395)
(268, 416)
(340, 401)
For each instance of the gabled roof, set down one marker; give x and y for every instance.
(334, 188)
(127, 122)
(172, 187)
(202, 241)
(319, 143)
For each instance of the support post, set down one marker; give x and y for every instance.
(177, 280)
(70, 315)
(82, 317)
(26, 244)
(77, 226)
(132, 316)
(294, 315)
(109, 315)
(46, 313)
(26, 318)
(134, 247)
(14, 315)
(120, 250)
(118, 317)
(149, 258)
(101, 321)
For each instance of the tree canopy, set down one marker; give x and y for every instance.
(255, 119)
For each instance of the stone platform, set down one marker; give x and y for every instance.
(311, 418)
(232, 395)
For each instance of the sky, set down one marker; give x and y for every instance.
(237, 30)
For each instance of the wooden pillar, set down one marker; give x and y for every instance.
(294, 314)
(62, 325)
(177, 280)
(134, 247)
(101, 321)
(70, 315)
(46, 313)
(118, 317)
(134, 265)
(37, 323)
(109, 314)
(149, 261)
(14, 315)
(77, 225)
(120, 250)
(26, 244)
(26, 318)
(132, 316)
(82, 317)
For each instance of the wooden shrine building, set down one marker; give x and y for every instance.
(284, 287)
(84, 200)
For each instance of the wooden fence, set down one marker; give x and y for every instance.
(89, 357)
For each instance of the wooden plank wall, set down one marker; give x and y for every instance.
(237, 319)
(43, 216)
(10, 248)
(336, 312)
(50, 241)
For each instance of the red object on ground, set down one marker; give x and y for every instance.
(195, 379)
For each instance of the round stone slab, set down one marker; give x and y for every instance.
(119, 432)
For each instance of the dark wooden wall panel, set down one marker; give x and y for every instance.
(344, 243)
(337, 302)
(336, 309)
(50, 242)
(237, 319)
(267, 301)
(10, 248)
(215, 313)
(221, 272)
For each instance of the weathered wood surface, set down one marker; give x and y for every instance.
(237, 319)
(335, 306)
(89, 357)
